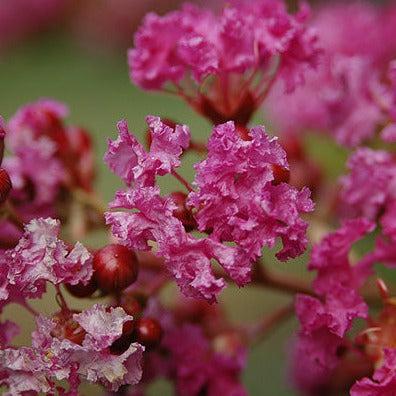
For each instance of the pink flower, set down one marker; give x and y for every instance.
(370, 187)
(324, 323)
(49, 360)
(383, 382)
(239, 199)
(38, 258)
(199, 367)
(330, 258)
(8, 330)
(244, 40)
(339, 99)
(127, 158)
(186, 257)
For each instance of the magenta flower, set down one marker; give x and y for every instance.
(325, 323)
(243, 41)
(239, 199)
(370, 190)
(345, 97)
(38, 258)
(127, 158)
(50, 359)
(198, 367)
(383, 382)
(8, 330)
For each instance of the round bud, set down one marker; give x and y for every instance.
(5, 185)
(131, 305)
(182, 213)
(67, 328)
(116, 267)
(80, 290)
(148, 331)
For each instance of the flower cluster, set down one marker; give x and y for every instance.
(345, 97)
(251, 193)
(226, 205)
(243, 43)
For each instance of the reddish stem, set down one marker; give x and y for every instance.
(260, 330)
(182, 180)
(28, 308)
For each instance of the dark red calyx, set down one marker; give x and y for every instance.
(81, 291)
(281, 174)
(116, 267)
(243, 132)
(182, 213)
(5, 185)
(148, 331)
(241, 112)
(67, 328)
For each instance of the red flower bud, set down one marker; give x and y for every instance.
(116, 267)
(5, 185)
(67, 328)
(148, 331)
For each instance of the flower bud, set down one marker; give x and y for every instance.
(148, 331)
(116, 267)
(5, 185)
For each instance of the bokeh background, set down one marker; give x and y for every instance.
(75, 52)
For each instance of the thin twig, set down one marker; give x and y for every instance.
(182, 180)
(260, 330)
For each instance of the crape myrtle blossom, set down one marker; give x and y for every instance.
(369, 189)
(383, 382)
(325, 321)
(199, 353)
(244, 41)
(237, 200)
(341, 99)
(388, 134)
(51, 359)
(345, 97)
(46, 160)
(128, 159)
(38, 258)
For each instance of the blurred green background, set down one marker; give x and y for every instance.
(97, 89)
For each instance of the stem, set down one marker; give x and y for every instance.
(198, 147)
(259, 331)
(182, 180)
(261, 96)
(13, 216)
(28, 307)
(284, 283)
(60, 299)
